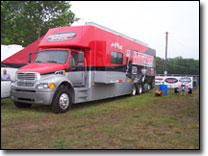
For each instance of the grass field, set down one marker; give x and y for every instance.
(139, 122)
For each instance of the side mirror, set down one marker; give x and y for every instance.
(80, 57)
(29, 58)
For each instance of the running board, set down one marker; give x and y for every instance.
(81, 95)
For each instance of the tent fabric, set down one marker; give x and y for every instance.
(20, 58)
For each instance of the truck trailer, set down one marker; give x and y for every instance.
(83, 63)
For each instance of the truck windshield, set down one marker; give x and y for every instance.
(52, 56)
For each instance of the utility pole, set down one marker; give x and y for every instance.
(166, 53)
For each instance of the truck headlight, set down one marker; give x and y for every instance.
(43, 86)
(46, 85)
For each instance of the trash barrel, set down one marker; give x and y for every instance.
(197, 80)
(164, 88)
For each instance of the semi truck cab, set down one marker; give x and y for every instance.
(39, 81)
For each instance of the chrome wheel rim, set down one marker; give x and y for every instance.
(64, 101)
(134, 90)
(140, 90)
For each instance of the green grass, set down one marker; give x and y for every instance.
(139, 122)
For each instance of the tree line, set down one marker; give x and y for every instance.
(178, 65)
(23, 22)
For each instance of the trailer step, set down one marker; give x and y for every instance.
(83, 96)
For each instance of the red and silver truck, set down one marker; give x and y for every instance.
(83, 63)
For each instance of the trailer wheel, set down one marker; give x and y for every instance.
(22, 105)
(140, 89)
(190, 91)
(153, 84)
(62, 100)
(134, 90)
(148, 87)
(176, 90)
(143, 89)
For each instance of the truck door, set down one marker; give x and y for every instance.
(77, 74)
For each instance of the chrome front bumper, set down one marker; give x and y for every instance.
(32, 96)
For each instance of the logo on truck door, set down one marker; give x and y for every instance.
(61, 36)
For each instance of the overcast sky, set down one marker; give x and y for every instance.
(148, 22)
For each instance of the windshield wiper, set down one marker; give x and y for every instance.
(51, 61)
(38, 61)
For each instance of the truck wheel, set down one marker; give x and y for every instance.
(140, 90)
(22, 105)
(134, 90)
(62, 100)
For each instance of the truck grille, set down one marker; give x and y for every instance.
(27, 76)
(25, 84)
